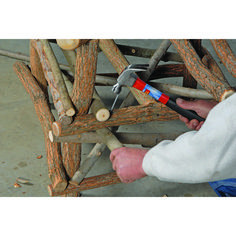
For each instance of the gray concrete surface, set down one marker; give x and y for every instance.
(21, 136)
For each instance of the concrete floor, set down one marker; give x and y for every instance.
(21, 136)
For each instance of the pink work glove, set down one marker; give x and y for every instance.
(201, 107)
(127, 162)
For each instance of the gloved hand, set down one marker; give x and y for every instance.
(127, 162)
(201, 107)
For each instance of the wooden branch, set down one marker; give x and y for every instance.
(26, 58)
(82, 93)
(50, 79)
(147, 53)
(98, 108)
(155, 59)
(71, 59)
(87, 164)
(56, 170)
(88, 183)
(55, 80)
(85, 76)
(182, 91)
(211, 64)
(144, 139)
(71, 44)
(224, 52)
(166, 71)
(36, 67)
(215, 86)
(15, 55)
(108, 138)
(188, 80)
(130, 115)
(119, 62)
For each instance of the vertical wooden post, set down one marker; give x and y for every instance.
(188, 80)
(224, 52)
(82, 93)
(56, 170)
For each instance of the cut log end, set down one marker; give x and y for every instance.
(61, 186)
(227, 94)
(56, 128)
(70, 44)
(65, 120)
(103, 114)
(70, 112)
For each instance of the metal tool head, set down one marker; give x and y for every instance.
(126, 78)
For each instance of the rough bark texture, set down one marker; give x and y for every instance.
(46, 66)
(188, 80)
(130, 115)
(56, 80)
(211, 64)
(53, 151)
(82, 93)
(88, 183)
(36, 67)
(215, 86)
(169, 70)
(225, 54)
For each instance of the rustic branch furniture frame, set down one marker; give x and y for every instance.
(83, 118)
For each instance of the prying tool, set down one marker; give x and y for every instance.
(129, 78)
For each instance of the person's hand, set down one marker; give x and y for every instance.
(127, 162)
(201, 107)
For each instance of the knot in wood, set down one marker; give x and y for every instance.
(99, 154)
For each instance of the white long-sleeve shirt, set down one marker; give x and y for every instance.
(199, 156)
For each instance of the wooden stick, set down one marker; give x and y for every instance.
(85, 76)
(147, 53)
(87, 164)
(88, 183)
(144, 139)
(71, 59)
(211, 64)
(130, 115)
(224, 52)
(82, 92)
(215, 86)
(71, 44)
(169, 70)
(182, 91)
(56, 170)
(155, 59)
(98, 108)
(36, 67)
(188, 80)
(108, 138)
(85, 73)
(63, 118)
(26, 58)
(56, 81)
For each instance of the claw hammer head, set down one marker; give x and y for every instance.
(128, 76)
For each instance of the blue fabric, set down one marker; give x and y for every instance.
(224, 188)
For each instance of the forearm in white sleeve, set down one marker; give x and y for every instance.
(199, 156)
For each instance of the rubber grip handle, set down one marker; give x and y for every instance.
(186, 113)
